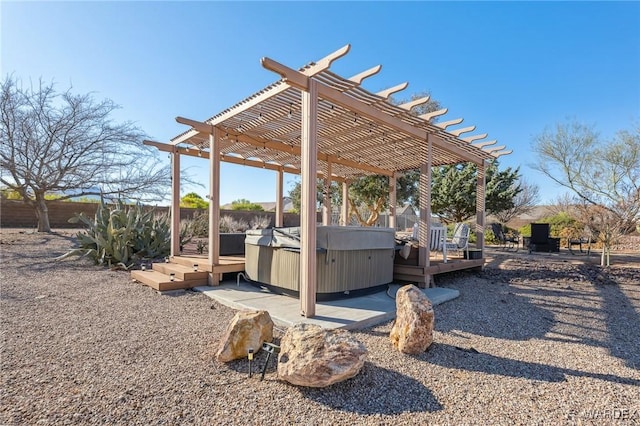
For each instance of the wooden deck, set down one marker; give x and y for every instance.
(420, 274)
(186, 276)
(185, 273)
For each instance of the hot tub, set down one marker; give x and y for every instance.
(349, 260)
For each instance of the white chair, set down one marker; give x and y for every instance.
(437, 239)
(460, 240)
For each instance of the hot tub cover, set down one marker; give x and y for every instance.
(327, 237)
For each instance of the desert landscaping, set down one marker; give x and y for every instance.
(532, 339)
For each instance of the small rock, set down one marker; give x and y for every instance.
(247, 330)
(314, 357)
(412, 332)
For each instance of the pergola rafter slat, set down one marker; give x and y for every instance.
(386, 94)
(420, 101)
(458, 132)
(475, 137)
(359, 78)
(449, 123)
(485, 143)
(430, 115)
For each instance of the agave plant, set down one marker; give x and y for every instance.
(121, 234)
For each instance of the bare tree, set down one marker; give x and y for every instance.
(604, 177)
(67, 145)
(524, 201)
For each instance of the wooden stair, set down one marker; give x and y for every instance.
(159, 277)
(225, 263)
(185, 277)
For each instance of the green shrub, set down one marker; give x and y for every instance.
(525, 230)
(563, 225)
(10, 194)
(489, 236)
(120, 235)
(245, 205)
(194, 201)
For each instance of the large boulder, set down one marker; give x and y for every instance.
(412, 333)
(314, 357)
(247, 330)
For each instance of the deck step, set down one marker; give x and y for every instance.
(203, 263)
(182, 272)
(162, 282)
(225, 263)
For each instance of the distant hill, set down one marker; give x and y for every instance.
(535, 215)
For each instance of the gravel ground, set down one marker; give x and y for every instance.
(533, 339)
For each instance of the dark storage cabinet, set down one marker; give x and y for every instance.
(540, 239)
(473, 254)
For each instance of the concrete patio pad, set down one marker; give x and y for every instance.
(352, 313)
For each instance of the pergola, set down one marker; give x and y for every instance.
(316, 123)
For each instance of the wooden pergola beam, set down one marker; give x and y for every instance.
(279, 146)
(160, 146)
(234, 160)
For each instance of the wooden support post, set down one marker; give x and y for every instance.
(175, 204)
(326, 199)
(392, 201)
(424, 228)
(279, 222)
(308, 200)
(344, 216)
(480, 213)
(214, 204)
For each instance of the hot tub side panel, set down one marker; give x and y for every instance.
(259, 266)
(337, 270)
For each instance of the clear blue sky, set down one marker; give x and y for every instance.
(510, 68)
